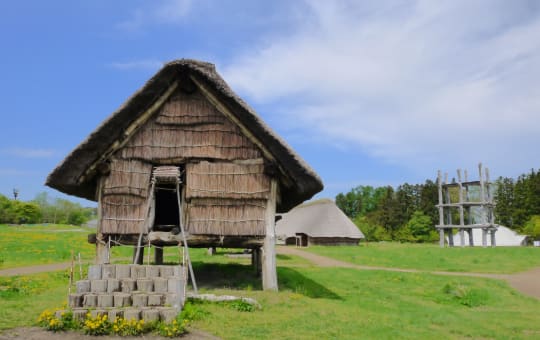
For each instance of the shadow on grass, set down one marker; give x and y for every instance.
(225, 276)
(283, 257)
(293, 280)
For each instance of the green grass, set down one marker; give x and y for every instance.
(433, 258)
(340, 303)
(315, 302)
(23, 298)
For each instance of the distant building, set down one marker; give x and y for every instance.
(319, 222)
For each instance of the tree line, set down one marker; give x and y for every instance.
(409, 213)
(44, 209)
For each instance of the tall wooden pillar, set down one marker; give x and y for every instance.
(471, 240)
(256, 261)
(158, 255)
(138, 260)
(102, 250)
(269, 270)
(441, 237)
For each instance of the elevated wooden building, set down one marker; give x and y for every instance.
(185, 152)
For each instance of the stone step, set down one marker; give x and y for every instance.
(165, 314)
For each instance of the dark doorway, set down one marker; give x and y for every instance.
(166, 209)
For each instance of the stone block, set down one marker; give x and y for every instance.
(145, 285)
(150, 315)
(128, 285)
(90, 300)
(122, 271)
(166, 271)
(98, 286)
(175, 285)
(137, 271)
(156, 299)
(113, 285)
(139, 300)
(132, 314)
(168, 315)
(83, 286)
(108, 271)
(98, 312)
(75, 300)
(94, 272)
(178, 271)
(79, 314)
(152, 271)
(105, 300)
(122, 300)
(173, 300)
(114, 314)
(161, 285)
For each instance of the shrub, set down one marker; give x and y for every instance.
(98, 325)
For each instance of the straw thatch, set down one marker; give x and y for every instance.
(227, 217)
(227, 180)
(197, 116)
(321, 221)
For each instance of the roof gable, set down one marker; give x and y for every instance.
(75, 175)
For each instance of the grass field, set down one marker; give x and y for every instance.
(315, 302)
(431, 257)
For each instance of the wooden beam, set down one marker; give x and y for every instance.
(269, 267)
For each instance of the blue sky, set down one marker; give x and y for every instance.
(367, 92)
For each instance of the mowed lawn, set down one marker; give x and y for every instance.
(431, 257)
(315, 302)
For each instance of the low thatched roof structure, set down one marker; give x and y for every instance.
(317, 219)
(76, 175)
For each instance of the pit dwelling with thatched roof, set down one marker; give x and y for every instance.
(319, 222)
(184, 161)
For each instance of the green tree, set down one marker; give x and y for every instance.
(421, 227)
(532, 227)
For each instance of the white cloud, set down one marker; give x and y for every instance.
(159, 12)
(425, 82)
(27, 152)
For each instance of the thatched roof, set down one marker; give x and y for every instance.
(71, 175)
(321, 218)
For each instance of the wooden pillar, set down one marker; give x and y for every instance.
(493, 242)
(441, 237)
(471, 241)
(256, 261)
(138, 260)
(158, 255)
(102, 249)
(462, 237)
(484, 237)
(450, 237)
(212, 251)
(269, 270)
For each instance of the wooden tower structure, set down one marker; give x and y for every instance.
(465, 205)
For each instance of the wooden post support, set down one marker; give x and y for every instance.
(158, 255)
(269, 270)
(441, 237)
(484, 237)
(102, 250)
(471, 240)
(450, 238)
(462, 237)
(256, 261)
(138, 258)
(493, 242)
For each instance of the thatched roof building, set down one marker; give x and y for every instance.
(319, 222)
(186, 150)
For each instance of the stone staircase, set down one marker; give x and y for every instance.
(133, 292)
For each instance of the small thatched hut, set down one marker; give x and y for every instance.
(319, 222)
(186, 151)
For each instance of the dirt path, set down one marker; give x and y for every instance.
(51, 267)
(36, 333)
(526, 282)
